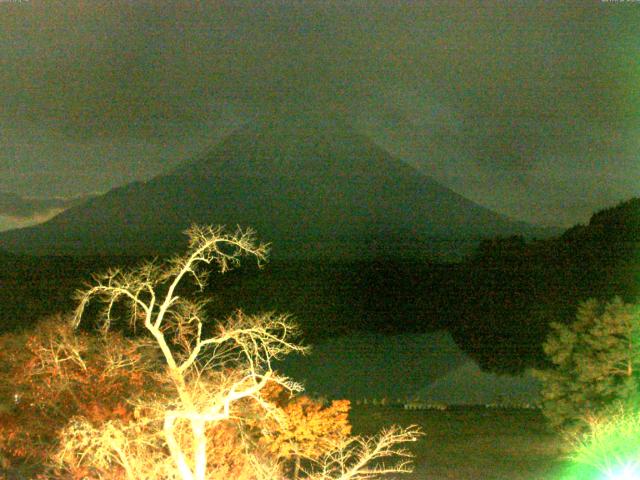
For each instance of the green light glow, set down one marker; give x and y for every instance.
(629, 471)
(610, 450)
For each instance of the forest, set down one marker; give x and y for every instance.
(497, 302)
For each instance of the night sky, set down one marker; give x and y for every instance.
(529, 108)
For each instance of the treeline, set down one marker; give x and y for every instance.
(513, 288)
(497, 303)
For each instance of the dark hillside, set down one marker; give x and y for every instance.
(514, 288)
(497, 304)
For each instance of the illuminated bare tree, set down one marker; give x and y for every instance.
(209, 372)
(360, 458)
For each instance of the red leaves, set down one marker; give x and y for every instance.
(55, 385)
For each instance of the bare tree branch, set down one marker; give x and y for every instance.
(360, 458)
(211, 372)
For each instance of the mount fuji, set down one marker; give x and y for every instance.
(311, 186)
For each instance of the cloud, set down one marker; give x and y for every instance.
(20, 209)
(100, 68)
(10, 223)
(117, 91)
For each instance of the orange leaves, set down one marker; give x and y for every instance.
(313, 428)
(78, 373)
(57, 375)
(121, 411)
(97, 412)
(21, 436)
(297, 428)
(310, 428)
(227, 455)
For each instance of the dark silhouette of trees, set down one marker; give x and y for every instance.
(512, 290)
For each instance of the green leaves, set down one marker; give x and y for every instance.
(596, 361)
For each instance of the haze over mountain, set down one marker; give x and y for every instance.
(309, 184)
(19, 211)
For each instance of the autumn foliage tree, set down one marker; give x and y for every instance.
(302, 431)
(218, 408)
(54, 373)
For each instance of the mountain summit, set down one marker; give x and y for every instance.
(310, 185)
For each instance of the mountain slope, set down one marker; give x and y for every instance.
(511, 290)
(311, 186)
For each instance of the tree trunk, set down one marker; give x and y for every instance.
(199, 448)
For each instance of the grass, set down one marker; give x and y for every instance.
(472, 443)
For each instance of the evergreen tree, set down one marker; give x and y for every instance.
(595, 363)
